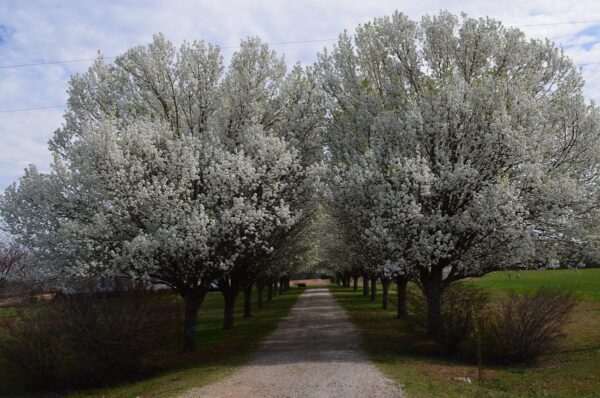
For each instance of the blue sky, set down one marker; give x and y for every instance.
(41, 31)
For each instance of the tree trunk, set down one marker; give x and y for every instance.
(192, 302)
(434, 312)
(373, 288)
(355, 281)
(365, 282)
(432, 283)
(385, 282)
(230, 287)
(275, 288)
(248, 300)
(230, 297)
(401, 284)
(281, 285)
(260, 287)
(269, 291)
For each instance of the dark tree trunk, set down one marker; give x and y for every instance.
(434, 312)
(337, 278)
(433, 287)
(230, 287)
(192, 301)
(229, 308)
(355, 281)
(281, 285)
(269, 291)
(365, 282)
(248, 300)
(275, 288)
(373, 288)
(385, 282)
(401, 284)
(260, 287)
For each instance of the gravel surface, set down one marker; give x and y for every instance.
(313, 353)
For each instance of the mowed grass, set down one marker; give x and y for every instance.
(585, 283)
(425, 370)
(219, 352)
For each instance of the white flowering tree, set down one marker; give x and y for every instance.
(167, 171)
(468, 147)
(257, 90)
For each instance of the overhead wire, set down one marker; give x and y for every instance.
(235, 47)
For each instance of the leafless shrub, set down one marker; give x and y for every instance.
(12, 256)
(34, 346)
(521, 327)
(87, 339)
(459, 302)
(111, 334)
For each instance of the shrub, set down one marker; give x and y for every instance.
(88, 339)
(458, 304)
(111, 334)
(34, 346)
(521, 327)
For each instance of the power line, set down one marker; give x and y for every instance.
(555, 23)
(236, 47)
(113, 57)
(32, 109)
(281, 43)
(64, 106)
(271, 44)
(51, 62)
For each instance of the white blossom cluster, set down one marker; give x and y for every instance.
(168, 169)
(458, 147)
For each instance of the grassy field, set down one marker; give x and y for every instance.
(585, 283)
(220, 353)
(424, 370)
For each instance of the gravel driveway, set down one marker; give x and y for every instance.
(313, 353)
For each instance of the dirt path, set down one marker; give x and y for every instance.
(313, 353)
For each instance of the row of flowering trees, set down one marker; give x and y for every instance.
(449, 148)
(458, 147)
(170, 170)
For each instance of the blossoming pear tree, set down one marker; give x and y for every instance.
(462, 146)
(166, 170)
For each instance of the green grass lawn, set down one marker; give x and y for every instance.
(585, 284)
(424, 370)
(219, 353)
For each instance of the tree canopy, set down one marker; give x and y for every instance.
(458, 146)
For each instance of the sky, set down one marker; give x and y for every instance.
(44, 31)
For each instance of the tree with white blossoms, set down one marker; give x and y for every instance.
(159, 174)
(369, 199)
(257, 90)
(470, 147)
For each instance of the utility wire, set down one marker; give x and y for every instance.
(555, 23)
(51, 63)
(235, 47)
(271, 44)
(113, 57)
(64, 106)
(32, 109)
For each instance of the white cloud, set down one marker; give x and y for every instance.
(51, 30)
